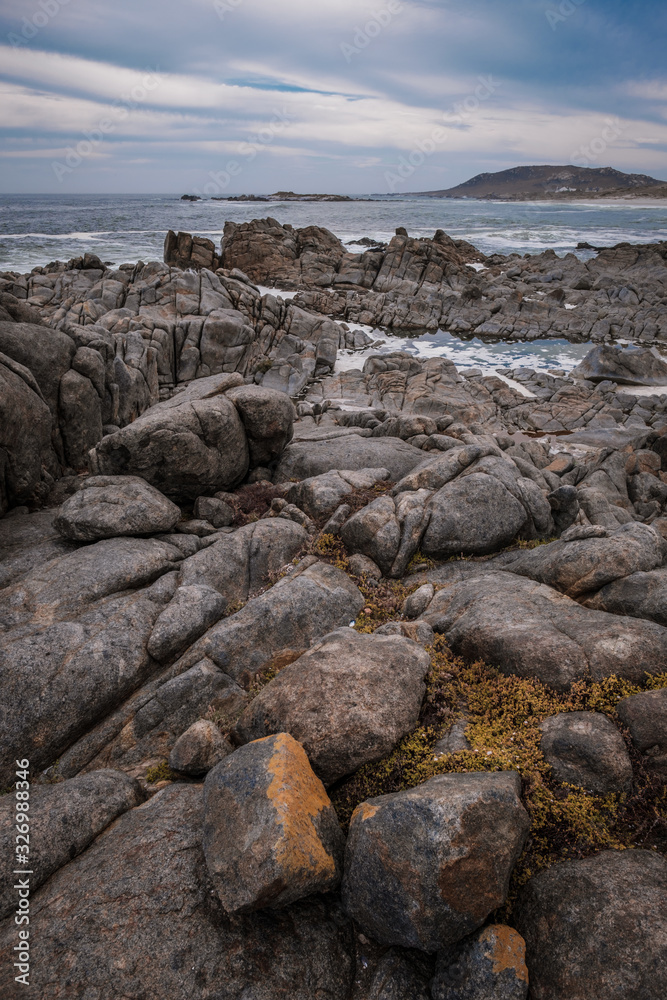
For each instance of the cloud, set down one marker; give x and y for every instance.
(225, 81)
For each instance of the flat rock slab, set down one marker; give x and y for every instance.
(424, 868)
(111, 506)
(526, 628)
(348, 700)
(488, 964)
(597, 928)
(64, 819)
(303, 460)
(271, 835)
(586, 749)
(140, 907)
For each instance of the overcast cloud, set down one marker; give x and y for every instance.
(231, 96)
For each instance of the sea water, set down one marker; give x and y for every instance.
(35, 230)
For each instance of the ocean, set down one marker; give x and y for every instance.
(37, 229)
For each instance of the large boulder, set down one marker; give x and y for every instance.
(111, 506)
(645, 715)
(140, 906)
(243, 562)
(191, 611)
(305, 459)
(581, 565)
(388, 530)
(64, 819)
(348, 700)
(191, 444)
(268, 419)
(640, 595)
(474, 515)
(424, 868)
(265, 794)
(597, 928)
(526, 628)
(631, 365)
(586, 749)
(488, 965)
(298, 610)
(26, 452)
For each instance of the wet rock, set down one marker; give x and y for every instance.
(303, 460)
(189, 614)
(597, 928)
(112, 506)
(298, 610)
(640, 595)
(579, 565)
(189, 445)
(199, 749)
(645, 715)
(348, 700)
(631, 365)
(472, 515)
(64, 819)
(530, 630)
(216, 512)
(168, 935)
(586, 749)
(489, 964)
(424, 868)
(266, 794)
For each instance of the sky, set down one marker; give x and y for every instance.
(219, 97)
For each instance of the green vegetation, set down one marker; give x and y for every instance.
(504, 714)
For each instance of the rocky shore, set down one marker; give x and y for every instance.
(335, 684)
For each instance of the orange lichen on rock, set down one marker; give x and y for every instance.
(298, 797)
(506, 949)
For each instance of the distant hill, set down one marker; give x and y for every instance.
(557, 183)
